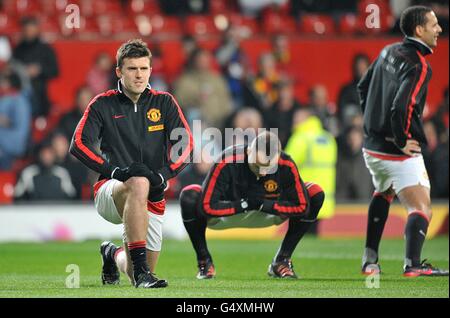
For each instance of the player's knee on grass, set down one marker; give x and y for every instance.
(189, 201)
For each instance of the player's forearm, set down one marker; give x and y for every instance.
(284, 207)
(100, 166)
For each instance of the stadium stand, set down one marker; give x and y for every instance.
(315, 36)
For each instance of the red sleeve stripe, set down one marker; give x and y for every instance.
(80, 128)
(190, 146)
(187, 151)
(212, 183)
(301, 198)
(416, 91)
(313, 189)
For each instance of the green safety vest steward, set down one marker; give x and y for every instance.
(314, 150)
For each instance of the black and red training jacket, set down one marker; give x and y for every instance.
(230, 180)
(393, 94)
(131, 132)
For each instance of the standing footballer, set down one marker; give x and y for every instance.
(393, 94)
(134, 125)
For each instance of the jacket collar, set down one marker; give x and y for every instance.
(122, 94)
(419, 45)
(119, 87)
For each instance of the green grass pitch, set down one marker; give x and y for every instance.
(327, 268)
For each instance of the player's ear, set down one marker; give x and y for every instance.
(118, 72)
(419, 30)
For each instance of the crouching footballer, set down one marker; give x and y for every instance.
(251, 187)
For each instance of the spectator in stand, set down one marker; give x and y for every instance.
(299, 7)
(253, 8)
(5, 50)
(69, 121)
(440, 118)
(319, 102)
(158, 79)
(265, 84)
(281, 114)
(348, 101)
(44, 180)
(184, 7)
(79, 173)
(98, 77)
(203, 91)
(436, 158)
(15, 117)
(249, 120)
(353, 180)
(282, 55)
(40, 62)
(233, 63)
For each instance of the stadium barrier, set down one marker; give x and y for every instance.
(67, 222)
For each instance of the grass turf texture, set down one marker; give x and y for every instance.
(327, 268)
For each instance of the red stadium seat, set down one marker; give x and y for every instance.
(114, 24)
(143, 7)
(22, 7)
(8, 25)
(247, 24)
(49, 25)
(317, 24)
(100, 7)
(157, 25)
(7, 183)
(274, 23)
(198, 25)
(220, 7)
(349, 24)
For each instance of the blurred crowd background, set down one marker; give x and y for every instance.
(204, 54)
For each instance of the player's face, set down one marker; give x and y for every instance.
(262, 166)
(429, 33)
(135, 74)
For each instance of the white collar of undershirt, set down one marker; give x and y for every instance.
(421, 42)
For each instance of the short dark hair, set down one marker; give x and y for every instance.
(133, 49)
(267, 143)
(412, 17)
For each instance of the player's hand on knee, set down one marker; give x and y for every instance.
(137, 169)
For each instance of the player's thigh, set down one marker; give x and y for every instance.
(119, 194)
(104, 202)
(381, 172)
